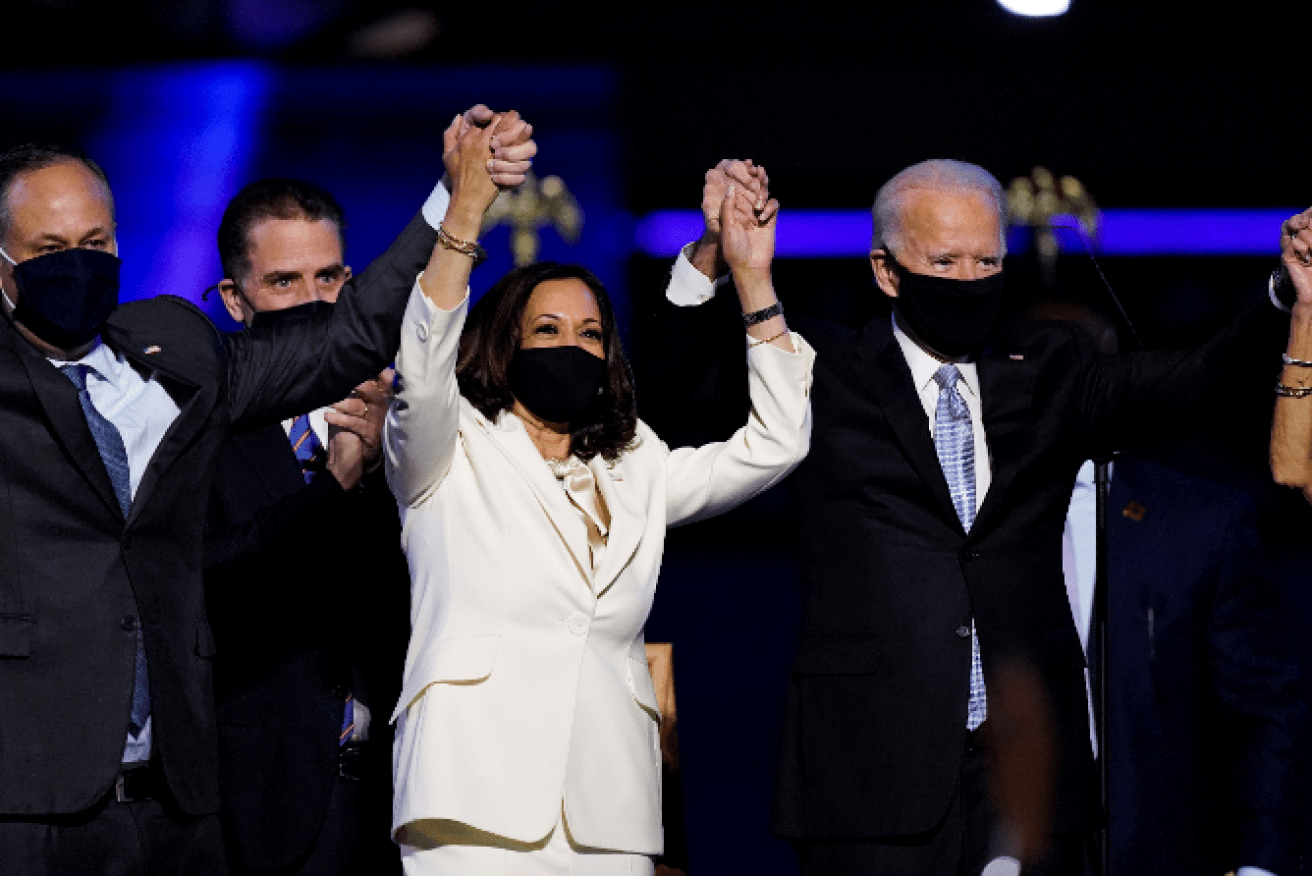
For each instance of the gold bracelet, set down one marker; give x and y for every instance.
(1290, 360)
(1293, 391)
(464, 247)
(774, 337)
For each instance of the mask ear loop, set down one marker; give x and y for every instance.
(3, 291)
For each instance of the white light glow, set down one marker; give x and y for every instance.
(1035, 8)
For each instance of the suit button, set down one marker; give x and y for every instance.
(963, 631)
(128, 623)
(422, 331)
(578, 624)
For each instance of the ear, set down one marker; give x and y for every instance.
(347, 273)
(885, 277)
(233, 302)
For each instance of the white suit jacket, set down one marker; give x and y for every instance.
(526, 682)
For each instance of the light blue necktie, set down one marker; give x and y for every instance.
(115, 456)
(954, 439)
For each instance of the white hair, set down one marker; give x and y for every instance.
(939, 174)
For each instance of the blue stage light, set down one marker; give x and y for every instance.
(1124, 232)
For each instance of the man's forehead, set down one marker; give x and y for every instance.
(62, 197)
(294, 244)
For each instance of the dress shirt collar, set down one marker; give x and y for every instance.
(101, 360)
(923, 366)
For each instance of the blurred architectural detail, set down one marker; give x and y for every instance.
(398, 35)
(527, 209)
(1042, 202)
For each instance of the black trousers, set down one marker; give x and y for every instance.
(961, 844)
(354, 839)
(144, 838)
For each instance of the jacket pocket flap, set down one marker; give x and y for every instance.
(451, 660)
(836, 655)
(643, 690)
(16, 635)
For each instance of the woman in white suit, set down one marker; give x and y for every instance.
(535, 506)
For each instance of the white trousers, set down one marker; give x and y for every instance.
(559, 857)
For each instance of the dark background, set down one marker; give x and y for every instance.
(1149, 104)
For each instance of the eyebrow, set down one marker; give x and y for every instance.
(558, 316)
(49, 237)
(275, 276)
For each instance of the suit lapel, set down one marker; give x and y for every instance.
(510, 438)
(1006, 386)
(195, 402)
(879, 362)
(627, 521)
(59, 398)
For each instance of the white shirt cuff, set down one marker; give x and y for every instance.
(1254, 871)
(1275, 299)
(435, 206)
(689, 287)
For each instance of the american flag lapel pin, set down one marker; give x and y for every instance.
(1017, 357)
(152, 350)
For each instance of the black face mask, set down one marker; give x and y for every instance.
(953, 317)
(65, 297)
(558, 384)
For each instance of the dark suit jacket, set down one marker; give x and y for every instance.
(1204, 711)
(76, 578)
(875, 714)
(308, 597)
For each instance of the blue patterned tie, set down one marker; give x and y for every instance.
(115, 456)
(954, 439)
(306, 445)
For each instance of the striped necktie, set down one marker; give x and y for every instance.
(306, 446)
(954, 439)
(115, 457)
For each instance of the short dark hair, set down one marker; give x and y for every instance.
(38, 156)
(272, 198)
(492, 335)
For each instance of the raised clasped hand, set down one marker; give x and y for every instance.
(512, 146)
(747, 235)
(1296, 253)
(741, 173)
(467, 155)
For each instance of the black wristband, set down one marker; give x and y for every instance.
(1283, 286)
(759, 316)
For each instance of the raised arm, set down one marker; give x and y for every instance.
(714, 478)
(305, 363)
(696, 378)
(421, 432)
(1291, 429)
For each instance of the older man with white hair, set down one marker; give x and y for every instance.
(937, 641)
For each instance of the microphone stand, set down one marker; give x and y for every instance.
(1099, 633)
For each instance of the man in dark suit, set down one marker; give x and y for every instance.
(931, 510)
(113, 418)
(306, 580)
(1204, 713)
